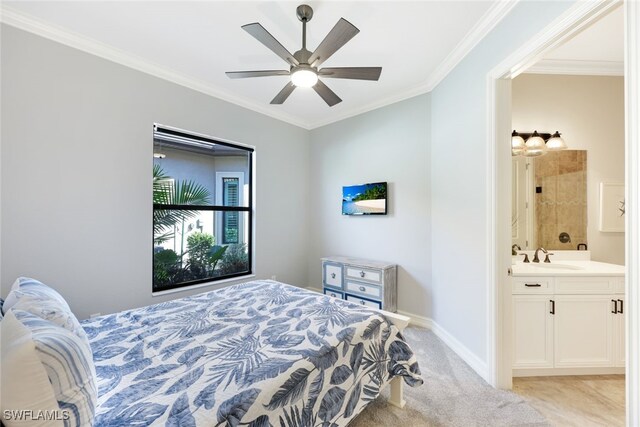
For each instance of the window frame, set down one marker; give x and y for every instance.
(199, 138)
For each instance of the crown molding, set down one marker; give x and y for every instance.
(69, 38)
(25, 22)
(488, 22)
(577, 67)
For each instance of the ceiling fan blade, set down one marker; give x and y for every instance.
(358, 73)
(264, 37)
(337, 37)
(265, 73)
(283, 94)
(327, 94)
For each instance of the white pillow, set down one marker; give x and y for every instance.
(37, 298)
(26, 284)
(49, 309)
(45, 369)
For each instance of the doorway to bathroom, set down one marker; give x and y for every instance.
(502, 84)
(568, 346)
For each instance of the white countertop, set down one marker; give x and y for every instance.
(567, 268)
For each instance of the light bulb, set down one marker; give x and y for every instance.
(304, 78)
(517, 144)
(535, 143)
(556, 143)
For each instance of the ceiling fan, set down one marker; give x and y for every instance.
(303, 70)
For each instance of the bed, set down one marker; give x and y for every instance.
(257, 354)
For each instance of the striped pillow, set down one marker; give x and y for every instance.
(49, 309)
(63, 357)
(34, 287)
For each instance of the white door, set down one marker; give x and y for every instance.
(532, 331)
(619, 350)
(583, 327)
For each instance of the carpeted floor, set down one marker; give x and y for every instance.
(452, 395)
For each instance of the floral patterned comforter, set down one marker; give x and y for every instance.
(258, 354)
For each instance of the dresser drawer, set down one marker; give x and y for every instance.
(371, 291)
(364, 301)
(532, 285)
(334, 294)
(357, 273)
(332, 275)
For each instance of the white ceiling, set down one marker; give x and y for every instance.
(598, 49)
(194, 43)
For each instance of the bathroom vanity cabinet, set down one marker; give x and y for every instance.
(567, 325)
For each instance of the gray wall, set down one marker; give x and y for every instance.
(76, 161)
(458, 176)
(389, 144)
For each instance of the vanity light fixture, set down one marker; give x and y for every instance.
(517, 144)
(535, 144)
(556, 143)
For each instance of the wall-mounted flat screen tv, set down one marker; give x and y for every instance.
(365, 199)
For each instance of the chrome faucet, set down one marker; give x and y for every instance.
(546, 252)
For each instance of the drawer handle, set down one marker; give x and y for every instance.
(362, 289)
(615, 306)
(333, 275)
(553, 307)
(362, 302)
(532, 285)
(362, 274)
(621, 306)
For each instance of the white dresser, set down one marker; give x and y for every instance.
(362, 281)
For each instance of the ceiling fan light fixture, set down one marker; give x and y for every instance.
(304, 77)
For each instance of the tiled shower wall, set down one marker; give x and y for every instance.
(561, 198)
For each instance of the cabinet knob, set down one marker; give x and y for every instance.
(362, 274)
(333, 275)
(362, 289)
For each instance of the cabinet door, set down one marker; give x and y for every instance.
(619, 350)
(583, 328)
(532, 331)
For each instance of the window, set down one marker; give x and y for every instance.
(228, 188)
(202, 211)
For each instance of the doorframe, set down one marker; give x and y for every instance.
(499, 339)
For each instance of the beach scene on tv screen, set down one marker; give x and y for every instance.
(364, 199)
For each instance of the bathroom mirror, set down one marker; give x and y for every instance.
(549, 201)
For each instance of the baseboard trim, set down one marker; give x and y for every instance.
(550, 372)
(461, 350)
(452, 342)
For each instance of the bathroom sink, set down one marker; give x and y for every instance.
(554, 266)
